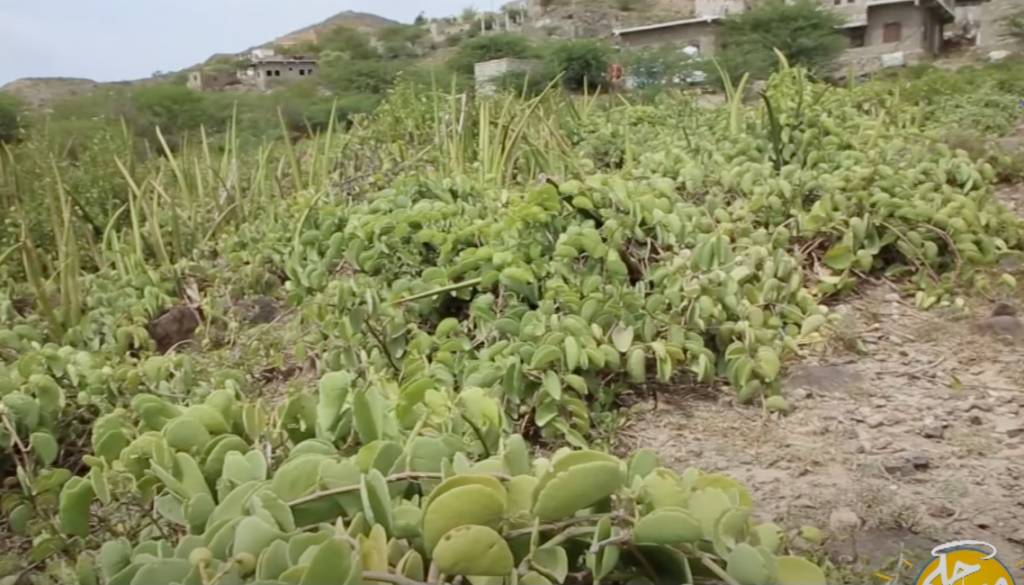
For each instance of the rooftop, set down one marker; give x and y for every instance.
(669, 24)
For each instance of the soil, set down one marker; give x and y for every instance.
(905, 433)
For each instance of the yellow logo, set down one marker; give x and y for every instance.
(963, 562)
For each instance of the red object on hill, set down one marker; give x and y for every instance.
(615, 72)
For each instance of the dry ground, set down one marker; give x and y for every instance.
(914, 440)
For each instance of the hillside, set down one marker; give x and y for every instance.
(361, 21)
(38, 91)
(41, 91)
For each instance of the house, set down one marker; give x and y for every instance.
(984, 22)
(697, 31)
(486, 73)
(212, 80)
(267, 69)
(907, 30)
(911, 29)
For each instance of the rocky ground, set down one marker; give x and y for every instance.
(906, 433)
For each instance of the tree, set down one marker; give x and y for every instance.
(582, 62)
(488, 47)
(365, 77)
(803, 31)
(172, 108)
(11, 109)
(1015, 25)
(350, 41)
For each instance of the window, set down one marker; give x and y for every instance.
(302, 71)
(858, 37)
(892, 32)
(837, 2)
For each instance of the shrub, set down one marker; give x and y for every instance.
(342, 76)
(583, 63)
(10, 117)
(803, 31)
(349, 41)
(488, 47)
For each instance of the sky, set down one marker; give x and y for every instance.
(113, 40)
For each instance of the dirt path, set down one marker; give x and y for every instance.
(912, 440)
(887, 446)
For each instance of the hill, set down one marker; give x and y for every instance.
(41, 91)
(361, 21)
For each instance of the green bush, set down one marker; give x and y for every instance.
(489, 47)
(582, 62)
(11, 109)
(803, 31)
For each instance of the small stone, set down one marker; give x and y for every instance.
(892, 298)
(1011, 427)
(854, 447)
(1011, 409)
(892, 418)
(799, 393)
(933, 431)
(876, 421)
(918, 458)
(984, 521)
(940, 510)
(843, 521)
(975, 419)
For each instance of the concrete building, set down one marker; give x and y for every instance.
(267, 70)
(911, 29)
(984, 21)
(698, 32)
(486, 72)
(212, 80)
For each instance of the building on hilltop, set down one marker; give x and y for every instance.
(876, 29)
(212, 80)
(267, 69)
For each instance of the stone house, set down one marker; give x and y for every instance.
(212, 80)
(984, 22)
(486, 73)
(913, 29)
(907, 30)
(264, 71)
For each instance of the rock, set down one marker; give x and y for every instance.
(1000, 326)
(1011, 427)
(876, 421)
(843, 521)
(940, 510)
(854, 447)
(893, 60)
(823, 378)
(975, 419)
(907, 463)
(892, 418)
(933, 431)
(983, 521)
(918, 458)
(996, 56)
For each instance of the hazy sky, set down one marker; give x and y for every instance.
(110, 40)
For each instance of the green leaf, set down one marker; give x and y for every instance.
(797, 571)
(622, 337)
(552, 384)
(45, 446)
(839, 257)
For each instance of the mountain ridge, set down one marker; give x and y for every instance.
(40, 91)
